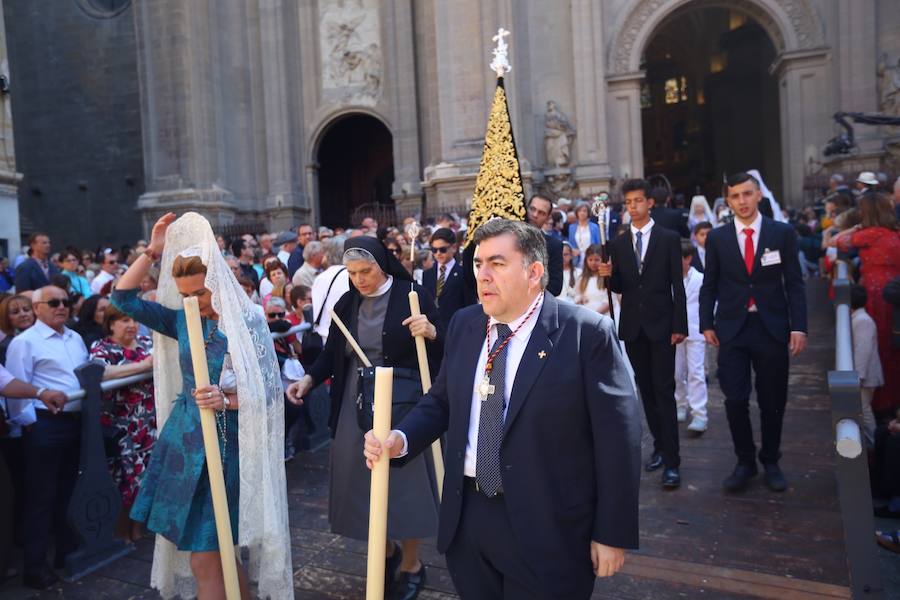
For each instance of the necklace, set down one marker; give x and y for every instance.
(209, 336)
(485, 388)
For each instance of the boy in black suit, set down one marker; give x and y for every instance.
(445, 279)
(700, 232)
(754, 283)
(645, 267)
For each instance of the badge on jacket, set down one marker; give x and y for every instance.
(770, 257)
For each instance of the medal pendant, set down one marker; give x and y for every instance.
(485, 388)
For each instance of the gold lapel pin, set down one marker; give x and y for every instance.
(542, 354)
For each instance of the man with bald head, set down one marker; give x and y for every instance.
(45, 356)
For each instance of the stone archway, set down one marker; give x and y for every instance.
(801, 68)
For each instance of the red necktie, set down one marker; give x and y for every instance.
(749, 255)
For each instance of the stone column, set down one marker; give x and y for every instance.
(592, 172)
(401, 71)
(9, 178)
(285, 201)
(857, 58)
(626, 151)
(805, 107)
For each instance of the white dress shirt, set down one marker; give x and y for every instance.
(739, 228)
(100, 280)
(44, 358)
(693, 281)
(514, 352)
(448, 268)
(323, 305)
(645, 239)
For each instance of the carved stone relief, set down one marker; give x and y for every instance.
(889, 85)
(350, 48)
(558, 137)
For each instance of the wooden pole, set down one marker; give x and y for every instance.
(378, 499)
(213, 457)
(359, 353)
(425, 373)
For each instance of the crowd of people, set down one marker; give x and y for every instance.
(686, 284)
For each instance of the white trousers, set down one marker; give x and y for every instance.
(690, 377)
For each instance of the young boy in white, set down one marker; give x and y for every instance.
(690, 372)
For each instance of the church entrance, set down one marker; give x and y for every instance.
(356, 170)
(709, 105)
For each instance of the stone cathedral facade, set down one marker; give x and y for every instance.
(278, 111)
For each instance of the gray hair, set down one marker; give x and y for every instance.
(276, 302)
(529, 241)
(311, 249)
(352, 254)
(334, 250)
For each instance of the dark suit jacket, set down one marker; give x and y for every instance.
(571, 446)
(399, 347)
(30, 276)
(777, 290)
(295, 260)
(455, 294)
(672, 219)
(697, 264)
(554, 264)
(653, 299)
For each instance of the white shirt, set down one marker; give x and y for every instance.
(323, 305)
(514, 352)
(447, 269)
(645, 239)
(100, 280)
(284, 256)
(739, 228)
(693, 281)
(46, 358)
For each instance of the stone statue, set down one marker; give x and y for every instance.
(558, 134)
(889, 82)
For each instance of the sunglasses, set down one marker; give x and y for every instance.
(397, 251)
(55, 303)
(277, 315)
(440, 250)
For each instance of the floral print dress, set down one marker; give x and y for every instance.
(132, 413)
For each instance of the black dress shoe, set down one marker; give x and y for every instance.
(391, 564)
(740, 478)
(409, 585)
(40, 580)
(671, 478)
(774, 478)
(655, 462)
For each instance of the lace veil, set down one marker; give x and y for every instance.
(263, 517)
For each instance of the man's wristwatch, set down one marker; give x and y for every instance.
(39, 392)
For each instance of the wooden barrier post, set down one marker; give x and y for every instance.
(378, 499)
(425, 373)
(213, 456)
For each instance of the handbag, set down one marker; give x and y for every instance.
(311, 341)
(406, 393)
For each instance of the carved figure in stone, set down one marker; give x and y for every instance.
(558, 135)
(351, 53)
(889, 79)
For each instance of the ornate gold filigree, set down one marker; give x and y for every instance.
(498, 188)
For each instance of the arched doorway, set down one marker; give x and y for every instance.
(356, 168)
(709, 104)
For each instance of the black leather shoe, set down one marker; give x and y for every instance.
(655, 462)
(740, 478)
(774, 478)
(391, 564)
(671, 478)
(409, 585)
(41, 580)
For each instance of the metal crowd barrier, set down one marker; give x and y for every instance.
(96, 501)
(851, 461)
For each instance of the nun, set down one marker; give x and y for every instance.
(376, 311)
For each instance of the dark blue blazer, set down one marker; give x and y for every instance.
(30, 276)
(777, 290)
(455, 294)
(571, 446)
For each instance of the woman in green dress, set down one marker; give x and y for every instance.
(175, 500)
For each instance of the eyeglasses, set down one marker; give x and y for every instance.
(55, 303)
(276, 315)
(70, 259)
(440, 250)
(110, 262)
(397, 251)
